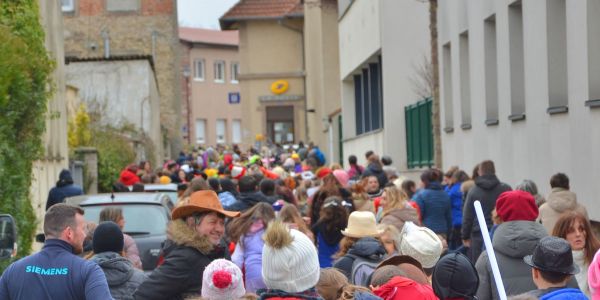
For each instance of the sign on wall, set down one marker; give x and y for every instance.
(234, 98)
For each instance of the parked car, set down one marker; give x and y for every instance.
(170, 189)
(8, 237)
(146, 217)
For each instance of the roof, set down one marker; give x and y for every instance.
(209, 36)
(70, 59)
(260, 10)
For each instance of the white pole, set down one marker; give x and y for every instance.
(490, 250)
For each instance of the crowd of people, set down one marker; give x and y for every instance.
(284, 224)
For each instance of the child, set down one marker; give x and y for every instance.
(247, 232)
(333, 218)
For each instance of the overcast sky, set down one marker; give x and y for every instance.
(202, 13)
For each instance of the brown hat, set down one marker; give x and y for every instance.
(410, 266)
(202, 201)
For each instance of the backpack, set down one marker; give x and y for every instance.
(362, 269)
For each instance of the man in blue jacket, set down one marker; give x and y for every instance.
(64, 188)
(56, 272)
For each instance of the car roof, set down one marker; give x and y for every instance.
(169, 187)
(121, 198)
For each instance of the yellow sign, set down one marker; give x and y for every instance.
(279, 87)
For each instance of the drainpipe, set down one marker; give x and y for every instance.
(301, 32)
(331, 156)
(105, 36)
(154, 35)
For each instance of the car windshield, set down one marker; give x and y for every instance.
(139, 218)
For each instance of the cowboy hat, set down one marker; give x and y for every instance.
(202, 201)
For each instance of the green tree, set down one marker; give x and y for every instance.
(25, 87)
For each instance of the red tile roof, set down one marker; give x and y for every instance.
(261, 9)
(209, 36)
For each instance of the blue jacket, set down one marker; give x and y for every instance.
(565, 293)
(54, 273)
(456, 198)
(64, 188)
(435, 208)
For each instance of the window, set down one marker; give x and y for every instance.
(419, 134)
(200, 131)
(517, 62)
(368, 100)
(465, 82)
(280, 124)
(219, 71)
(491, 71)
(221, 129)
(556, 22)
(199, 69)
(447, 92)
(236, 131)
(235, 71)
(67, 5)
(122, 5)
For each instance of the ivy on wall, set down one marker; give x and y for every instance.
(25, 87)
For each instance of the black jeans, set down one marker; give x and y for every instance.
(476, 246)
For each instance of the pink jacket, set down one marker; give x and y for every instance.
(131, 251)
(594, 277)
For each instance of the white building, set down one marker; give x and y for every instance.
(520, 83)
(382, 45)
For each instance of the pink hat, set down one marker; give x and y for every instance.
(222, 279)
(342, 177)
(594, 277)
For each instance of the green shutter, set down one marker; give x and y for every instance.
(419, 134)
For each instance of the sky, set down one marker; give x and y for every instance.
(202, 13)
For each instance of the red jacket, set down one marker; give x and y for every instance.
(399, 288)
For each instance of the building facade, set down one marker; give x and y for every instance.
(384, 46)
(211, 94)
(129, 28)
(520, 83)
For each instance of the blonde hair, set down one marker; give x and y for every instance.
(393, 231)
(349, 291)
(395, 197)
(332, 280)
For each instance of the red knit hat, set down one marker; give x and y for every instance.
(516, 206)
(322, 172)
(128, 178)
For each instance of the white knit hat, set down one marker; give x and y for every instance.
(222, 280)
(421, 244)
(290, 261)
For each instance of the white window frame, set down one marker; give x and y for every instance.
(221, 131)
(201, 139)
(219, 65)
(201, 69)
(68, 7)
(235, 72)
(236, 131)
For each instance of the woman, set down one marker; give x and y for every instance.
(290, 215)
(530, 187)
(456, 197)
(123, 279)
(332, 220)
(576, 229)
(247, 232)
(390, 238)
(115, 214)
(330, 187)
(395, 208)
(434, 204)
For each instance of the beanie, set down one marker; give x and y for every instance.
(516, 206)
(290, 261)
(342, 177)
(421, 244)
(454, 276)
(222, 279)
(107, 237)
(322, 172)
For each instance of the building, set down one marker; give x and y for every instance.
(384, 46)
(104, 83)
(520, 83)
(289, 70)
(211, 93)
(120, 28)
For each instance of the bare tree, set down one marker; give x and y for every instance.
(422, 80)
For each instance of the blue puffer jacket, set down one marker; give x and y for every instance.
(567, 294)
(436, 211)
(456, 199)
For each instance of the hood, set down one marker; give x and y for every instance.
(118, 269)
(487, 182)
(64, 178)
(517, 239)
(407, 288)
(375, 168)
(404, 214)
(182, 235)
(562, 200)
(368, 247)
(252, 198)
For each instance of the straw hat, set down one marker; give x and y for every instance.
(362, 224)
(202, 201)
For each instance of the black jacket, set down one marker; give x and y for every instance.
(487, 189)
(376, 170)
(245, 201)
(180, 276)
(64, 188)
(367, 247)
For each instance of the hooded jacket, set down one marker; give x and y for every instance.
(123, 279)
(64, 188)
(186, 256)
(374, 169)
(367, 247)
(397, 216)
(487, 189)
(399, 288)
(245, 201)
(558, 202)
(435, 207)
(456, 198)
